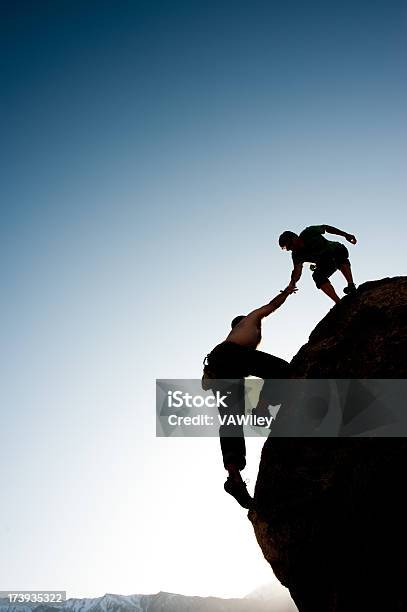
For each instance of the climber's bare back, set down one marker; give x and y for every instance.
(246, 333)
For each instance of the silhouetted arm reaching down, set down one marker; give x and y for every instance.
(295, 277)
(334, 230)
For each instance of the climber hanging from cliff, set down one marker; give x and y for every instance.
(234, 359)
(326, 255)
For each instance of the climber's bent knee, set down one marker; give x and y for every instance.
(319, 278)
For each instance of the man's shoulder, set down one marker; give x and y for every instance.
(248, 322)
(312, 230)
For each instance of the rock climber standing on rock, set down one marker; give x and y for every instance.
(326, 255)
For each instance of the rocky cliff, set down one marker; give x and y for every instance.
(330, 513)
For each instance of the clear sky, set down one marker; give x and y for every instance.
(152, 152)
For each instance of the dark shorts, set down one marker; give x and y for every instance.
(231, 360)
(329, 263)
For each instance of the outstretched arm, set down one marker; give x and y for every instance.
(334, 230)
(295, 276)
(275, 303)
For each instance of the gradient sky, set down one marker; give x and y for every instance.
(152, 152)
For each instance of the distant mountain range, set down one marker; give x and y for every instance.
(160, 602)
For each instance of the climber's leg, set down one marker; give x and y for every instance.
(231, 435)
(274, 372)
(232, 443)
(265, 365)
(346, 270)
(325, 267)
(329, 290)
(342, 261)
(227, 361)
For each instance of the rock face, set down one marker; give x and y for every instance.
(330, 513)
(364, 336)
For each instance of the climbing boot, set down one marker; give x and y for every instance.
(238, 490)
(350, 289)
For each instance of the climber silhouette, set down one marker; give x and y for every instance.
(225, 369)
(328, 256)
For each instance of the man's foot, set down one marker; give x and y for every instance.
(238, 490)
(351, 288)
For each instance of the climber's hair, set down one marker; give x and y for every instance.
(287, 238)
(237, 320)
